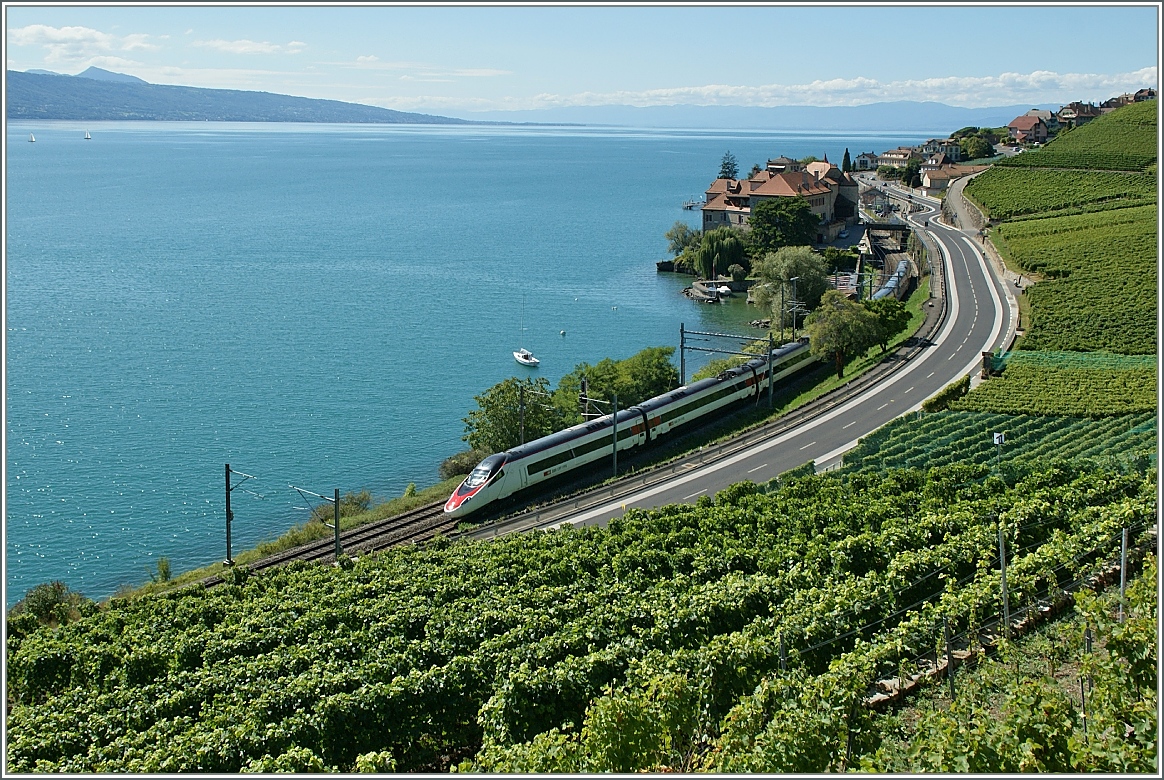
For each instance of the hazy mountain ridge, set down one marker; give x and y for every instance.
(97, 94)
(899, 115)
(97, 97)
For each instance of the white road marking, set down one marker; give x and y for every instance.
(805, 447)
(850, 425)
(910, 388)
(752, 471)
(693, 495)
(879, 408)
(929, 375)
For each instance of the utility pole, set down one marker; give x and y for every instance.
(614, 403)
(229, 514)
(682, 357)
(771, 381)
(521, 413)
(335, 524)
(795, 305)
(782, 313)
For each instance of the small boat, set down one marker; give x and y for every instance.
(87, 136)
(525, 357)
(724, 290)
(31, 138)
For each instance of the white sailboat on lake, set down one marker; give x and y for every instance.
(87, 136)
(31, 138)
(523, 355)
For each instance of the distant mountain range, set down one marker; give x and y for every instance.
(98, 94)
(905, 115)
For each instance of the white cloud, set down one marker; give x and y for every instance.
(969, 91)
(252, 47)
(367, 58)
(77, 44)
(420, 71)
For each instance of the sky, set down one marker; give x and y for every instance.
(456, 60)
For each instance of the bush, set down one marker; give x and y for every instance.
(952, 392)
(461, 463)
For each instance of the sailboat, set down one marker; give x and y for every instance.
(87, 136)
(31, 138)
(523, 355)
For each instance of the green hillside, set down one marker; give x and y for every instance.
(740, 634)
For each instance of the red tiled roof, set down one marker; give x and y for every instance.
(1024, 123)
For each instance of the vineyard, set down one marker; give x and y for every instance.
(1093, 311)
(1123, 140)
(1123, 241)
(967, 437)
(1006, 193)
(1067, 384)
(740, 634)
(1102, 292)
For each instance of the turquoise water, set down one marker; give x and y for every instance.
(315, 304)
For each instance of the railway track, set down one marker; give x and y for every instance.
(414, 526)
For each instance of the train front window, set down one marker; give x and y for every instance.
(485, 469)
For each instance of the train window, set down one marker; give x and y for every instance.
(484, 470)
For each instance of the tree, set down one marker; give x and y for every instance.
(718, 250)
(892, 318)
(728, 167)
(680, 236)
(644, 375)
(756, 168)
(976, 147)
(496, 424)
(780, 222)
(840, 328)
(846, 163)
(779, 268)
(911, 173)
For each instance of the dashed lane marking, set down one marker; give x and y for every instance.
(750, 471)
(911, 387)
(843, 427)
(693, 495)
(805, 447)
(879, 408)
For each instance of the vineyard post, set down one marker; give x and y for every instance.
(1123, 570)
(783, 654)
(1083, 700)
(1005, 600)
(949, 655)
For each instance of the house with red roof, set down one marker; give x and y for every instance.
(1027, 129)
(729, 202)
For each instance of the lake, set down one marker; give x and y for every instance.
(316, 305)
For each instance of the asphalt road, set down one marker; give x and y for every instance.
(980, 318)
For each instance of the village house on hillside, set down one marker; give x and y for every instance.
(1027, 129)
(944, 146)
(866, 161)
(730, 201)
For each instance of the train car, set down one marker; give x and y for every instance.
(505, 473)
(897, 284)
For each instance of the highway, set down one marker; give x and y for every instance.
(981, 317)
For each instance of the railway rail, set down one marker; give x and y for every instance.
(414, 526)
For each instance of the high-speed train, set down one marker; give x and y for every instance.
(505, 473)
